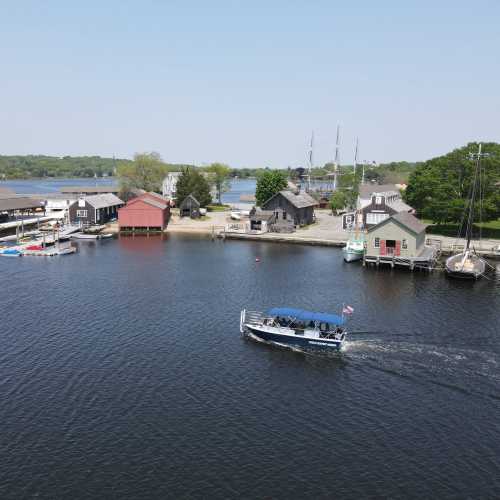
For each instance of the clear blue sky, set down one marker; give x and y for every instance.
(246, 82)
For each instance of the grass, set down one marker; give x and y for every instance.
(218, 208)
(490, 229)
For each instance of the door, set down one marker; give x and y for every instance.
(390, 247)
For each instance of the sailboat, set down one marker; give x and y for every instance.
(468, 264)
(355, 246)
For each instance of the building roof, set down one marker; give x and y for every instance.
(366, 190)
(300, 200)
(400, 206)
(18, 203)
(89, 189)
(190, 196)
(260, 215)
(150, 201)
(404, 219)
(103, 200)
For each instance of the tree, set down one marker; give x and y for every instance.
(439, 188)
(220, 178)
(269, 183)
(338, 201)
(193, 182)
(145, 172)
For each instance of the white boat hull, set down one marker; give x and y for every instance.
(351, 255)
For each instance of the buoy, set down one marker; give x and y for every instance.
(257, 259)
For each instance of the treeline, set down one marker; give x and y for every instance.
(440, 188)
(39, 166)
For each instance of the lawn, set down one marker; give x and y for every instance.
(490, 229)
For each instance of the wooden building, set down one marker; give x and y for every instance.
(399, 240)
(147, 212)
(96, 209)
(298, 208)
(190, 207)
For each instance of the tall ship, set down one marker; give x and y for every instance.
(468, 264)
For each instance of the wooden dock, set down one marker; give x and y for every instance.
(426, 261)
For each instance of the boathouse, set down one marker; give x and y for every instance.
(288, 206)
(147, 212)
(190, 207)
(398, 240)
(96, 209)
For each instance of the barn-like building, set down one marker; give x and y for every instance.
(147, 212)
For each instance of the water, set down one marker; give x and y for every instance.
(123, 375)
(44, 186)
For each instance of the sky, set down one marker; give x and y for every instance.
(246, 82)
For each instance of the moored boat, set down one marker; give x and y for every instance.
(467, 264)
(353, 250)
(296, 328)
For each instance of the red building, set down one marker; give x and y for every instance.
(147, 212)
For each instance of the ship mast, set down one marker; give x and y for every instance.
(311, 161)
(470, 218)
(336, 162)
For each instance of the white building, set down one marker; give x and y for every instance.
(169, 185)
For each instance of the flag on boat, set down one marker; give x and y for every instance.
(347, 310)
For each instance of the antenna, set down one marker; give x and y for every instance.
(336, 162)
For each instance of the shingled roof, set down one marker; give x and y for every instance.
(103, 200)
(300, 200)
(404, 219)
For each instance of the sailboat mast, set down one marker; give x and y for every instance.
(311, 161)
(470, 219)
(337, 159)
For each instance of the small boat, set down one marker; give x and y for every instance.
(10, 252)
(354, 250)
(84, 236)
(236, 215)
(295, 328)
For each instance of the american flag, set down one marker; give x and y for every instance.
(347, 310)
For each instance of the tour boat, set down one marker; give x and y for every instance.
(468, 264)
(295, 328)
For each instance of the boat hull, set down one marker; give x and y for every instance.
(296, 341)
(351, 255)
(473, 268)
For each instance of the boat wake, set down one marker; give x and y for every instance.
(465, 370)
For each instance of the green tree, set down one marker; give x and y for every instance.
(145, 172)
(338, 201)
(220, 178)
(269, 183)
(439, 188)
(193, 182)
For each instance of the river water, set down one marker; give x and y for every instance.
(123, 375)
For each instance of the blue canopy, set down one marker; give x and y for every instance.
(299, 314)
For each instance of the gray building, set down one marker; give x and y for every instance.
(96, 209)
(298, 208)
(401, 235)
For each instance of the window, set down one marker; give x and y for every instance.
(378, 200)
(81, 213)
(375, 217)
(404, 244)
(376, 243)
(284, 215)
